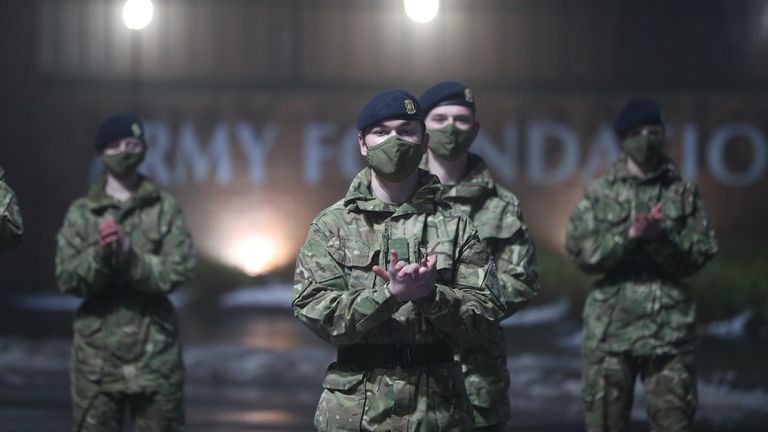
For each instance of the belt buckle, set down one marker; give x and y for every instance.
(399, 355)
(402, 355)
(391, 356)
(407, 356)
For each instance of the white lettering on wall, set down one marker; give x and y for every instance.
(553, 153)
(191, 156)
(605, 149)
(256, 146)
(716, 154)
(317, 150)
(539, 134)
(502, 162)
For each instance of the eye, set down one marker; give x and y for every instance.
(463, 121)
(408, 131)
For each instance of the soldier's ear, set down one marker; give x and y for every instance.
(361, 144)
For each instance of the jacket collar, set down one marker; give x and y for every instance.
(476, 184)
(667, 169)
(146, 193)
(360, 196)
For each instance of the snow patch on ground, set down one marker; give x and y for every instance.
(539, 315)
(274, 295)
(48, 302)
(732, 327)
(60, 302)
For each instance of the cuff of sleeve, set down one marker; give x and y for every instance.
(428, 305)
(101, 268)
(137, 266)
(662, 248)
(99, 257)
(386, 298)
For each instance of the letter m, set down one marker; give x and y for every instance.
(192, 158)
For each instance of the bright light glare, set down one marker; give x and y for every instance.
(255, 255)
(421, 11)
(137, 13)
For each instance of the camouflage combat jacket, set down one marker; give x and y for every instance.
(342, 301)
(11, 226)
(125, 332)
(640, 305)
(496, 213)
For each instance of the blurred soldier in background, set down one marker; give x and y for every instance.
(11, 226)
(123, 248)
(450, 117)
(643, 228)
(397, 280)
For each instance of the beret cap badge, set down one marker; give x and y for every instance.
(468, 96)
(136, 129)
(410, 108)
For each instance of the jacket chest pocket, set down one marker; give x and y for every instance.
(355, 257)
(611, 211)
(146, 235)
(674, 206)
(445, 253)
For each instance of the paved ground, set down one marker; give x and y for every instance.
(257, 370)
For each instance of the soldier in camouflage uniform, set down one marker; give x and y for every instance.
(449, 109)
(396, 279)
(643, 228)
(11, 226)
(123, 248)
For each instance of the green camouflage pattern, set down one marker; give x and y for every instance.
(640, 307)
(160, 411)
(496, 213)
(342, 301)
(11, 225)
(669, 383)
(126, 338)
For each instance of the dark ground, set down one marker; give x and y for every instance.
(260, 370)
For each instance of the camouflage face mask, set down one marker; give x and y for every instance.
(450, 142)
(395, 158)
(123, 163)
(644, 150)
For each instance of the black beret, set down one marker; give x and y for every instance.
(390, 104)
(638, 112)
(118, 126)
(447, 93)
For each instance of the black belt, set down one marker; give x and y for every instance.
(390, 356)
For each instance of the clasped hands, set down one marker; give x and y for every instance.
(409, 281)
(114, 241)
(647, 225)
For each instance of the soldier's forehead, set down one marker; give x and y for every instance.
(451, 110)
(649, 126)
(392, 123)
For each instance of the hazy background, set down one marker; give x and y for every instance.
(249, 107)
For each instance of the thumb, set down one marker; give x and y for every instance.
(380, 272)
